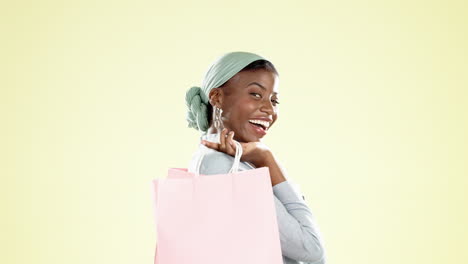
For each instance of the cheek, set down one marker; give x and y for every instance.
(243, 109)
(248, 104)
(245, 113)
(238, 113)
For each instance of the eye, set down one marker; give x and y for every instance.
(275, 101)
(257, 94)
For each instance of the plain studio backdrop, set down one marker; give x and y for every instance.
(372, 123)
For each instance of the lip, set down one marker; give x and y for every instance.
(263, 118)
(259, 131)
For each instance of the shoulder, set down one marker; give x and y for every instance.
(216, 162)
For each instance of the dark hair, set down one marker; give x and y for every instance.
(261, 64)
(257, 65)
(253, 66)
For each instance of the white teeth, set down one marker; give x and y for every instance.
(265, 124)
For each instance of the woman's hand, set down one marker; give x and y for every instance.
(256, 153)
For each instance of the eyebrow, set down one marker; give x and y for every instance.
(261, 86)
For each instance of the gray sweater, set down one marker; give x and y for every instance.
(300, 237)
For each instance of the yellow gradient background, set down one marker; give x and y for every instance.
(372, 126)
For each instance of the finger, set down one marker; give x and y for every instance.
(222, 139)
(230, 146)
(212, 145)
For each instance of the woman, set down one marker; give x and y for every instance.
(238, 101)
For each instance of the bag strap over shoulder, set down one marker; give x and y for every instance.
(235, 165)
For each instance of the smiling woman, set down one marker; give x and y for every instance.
(236, 106)
(248, 101)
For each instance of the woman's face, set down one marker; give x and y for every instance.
(246, 97)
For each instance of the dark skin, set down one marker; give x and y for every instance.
(242, 101)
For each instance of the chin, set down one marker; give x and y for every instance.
(256, 139)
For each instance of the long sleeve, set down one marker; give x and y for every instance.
(299, 234)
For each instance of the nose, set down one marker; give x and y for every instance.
(267, 107)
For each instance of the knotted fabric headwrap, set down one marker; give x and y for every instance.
(220, 71)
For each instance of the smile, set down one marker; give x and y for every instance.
(258, 129)
(264, 124)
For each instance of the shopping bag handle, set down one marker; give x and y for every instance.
(235, 166)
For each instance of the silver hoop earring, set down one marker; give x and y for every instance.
(218, 123)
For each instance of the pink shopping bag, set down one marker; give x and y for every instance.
(223, 218)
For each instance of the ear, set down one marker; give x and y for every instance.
(216, 97)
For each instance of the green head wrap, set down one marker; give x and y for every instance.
(220, 71)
